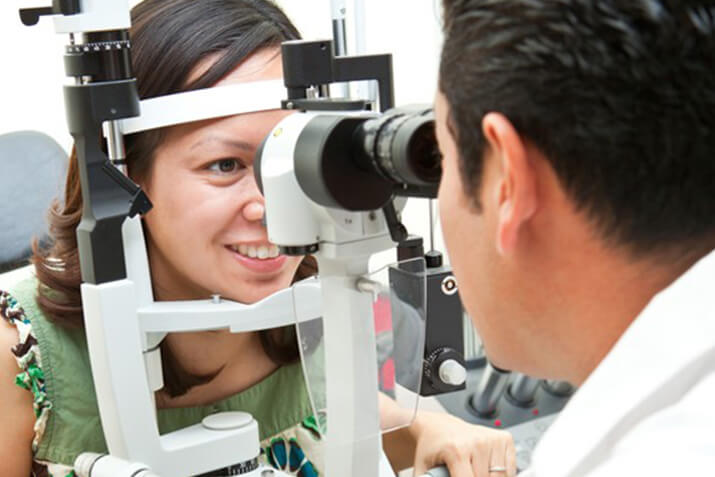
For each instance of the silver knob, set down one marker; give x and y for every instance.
(452, 373)
(558, 388)
(490, 390)
(523, 389)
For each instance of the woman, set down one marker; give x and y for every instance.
(204, 236)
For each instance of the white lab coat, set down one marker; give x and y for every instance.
(649, 408)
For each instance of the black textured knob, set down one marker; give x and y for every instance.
(433, 259)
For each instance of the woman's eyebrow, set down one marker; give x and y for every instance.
(237, 143)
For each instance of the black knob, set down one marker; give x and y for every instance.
(439, 369)
(433, 259)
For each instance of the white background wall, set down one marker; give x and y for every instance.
(33, 73)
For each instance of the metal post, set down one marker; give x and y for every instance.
(340, 39)
(115, 145)
(367, 89)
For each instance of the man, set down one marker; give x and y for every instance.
(578, 208)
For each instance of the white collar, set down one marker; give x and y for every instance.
(623, 389)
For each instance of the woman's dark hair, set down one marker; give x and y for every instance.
(169, 38)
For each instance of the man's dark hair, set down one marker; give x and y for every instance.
(618, 95)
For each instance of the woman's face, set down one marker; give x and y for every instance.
(204, 233)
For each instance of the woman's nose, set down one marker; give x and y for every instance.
(253, 211)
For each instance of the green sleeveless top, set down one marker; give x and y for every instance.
(55, 366)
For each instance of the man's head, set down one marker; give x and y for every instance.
(579, 144)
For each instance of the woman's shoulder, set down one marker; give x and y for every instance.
(18, 299)
(17, 406)
(16, 411)
(50, 346)
(52, 365)
(19, 335)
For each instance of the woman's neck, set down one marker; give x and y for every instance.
(237, 360)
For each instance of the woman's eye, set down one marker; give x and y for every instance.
(226, 166)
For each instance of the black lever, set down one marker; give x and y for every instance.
(30, 16)
(398, 232)
(140, 203)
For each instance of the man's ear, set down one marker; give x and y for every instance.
(515, 182)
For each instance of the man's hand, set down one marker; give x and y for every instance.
(466, 449)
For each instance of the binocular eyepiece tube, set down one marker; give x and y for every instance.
(401, 146)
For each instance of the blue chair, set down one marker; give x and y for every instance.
(32, 172)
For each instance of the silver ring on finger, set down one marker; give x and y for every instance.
(497, 469)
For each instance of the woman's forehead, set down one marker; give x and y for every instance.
(264, 64)
(248, 128)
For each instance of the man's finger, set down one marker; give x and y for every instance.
(497, 459)
(419, 468)
(510, 459)
(481, 458)
(460, 467)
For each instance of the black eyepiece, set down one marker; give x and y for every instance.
(401, 147)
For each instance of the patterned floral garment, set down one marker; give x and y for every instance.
(287, 451)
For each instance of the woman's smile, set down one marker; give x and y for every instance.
(260, 258)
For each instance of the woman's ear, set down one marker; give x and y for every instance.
(514, 185)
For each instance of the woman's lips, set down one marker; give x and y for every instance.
(260, 265)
